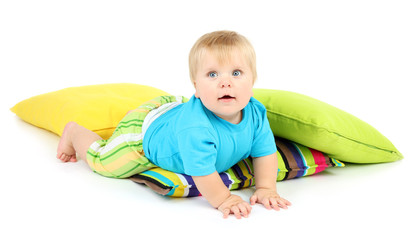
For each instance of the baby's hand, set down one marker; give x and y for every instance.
(235, 205)
(270, 199)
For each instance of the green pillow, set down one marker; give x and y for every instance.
(318, 125)
(294, 160)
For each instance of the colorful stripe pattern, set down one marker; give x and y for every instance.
(294, 160)
(122, 155)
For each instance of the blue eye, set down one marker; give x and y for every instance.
(237, 73)
(212, 75)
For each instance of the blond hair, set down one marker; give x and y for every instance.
(221, 43)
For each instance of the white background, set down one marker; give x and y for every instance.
(360, 56)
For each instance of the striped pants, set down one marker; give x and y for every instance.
(122, 155)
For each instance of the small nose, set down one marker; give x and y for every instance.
(225, 82)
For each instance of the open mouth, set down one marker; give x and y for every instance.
(226, 97)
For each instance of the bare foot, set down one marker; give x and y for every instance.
(65, 150)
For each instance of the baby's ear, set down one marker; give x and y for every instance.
(196, 92)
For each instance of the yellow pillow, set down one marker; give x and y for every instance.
(96, 107)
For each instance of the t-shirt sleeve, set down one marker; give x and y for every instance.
(264, 141)
(198, 152)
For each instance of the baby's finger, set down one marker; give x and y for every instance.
(266, 203)
(244, 210)
(288, 203)
(275, 203)
(236, 212)
(249, 208)
(253, 199)
(226, 212)
(283, 203)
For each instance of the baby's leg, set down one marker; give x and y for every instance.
(75, 140)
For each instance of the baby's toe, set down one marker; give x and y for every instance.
(73, 158)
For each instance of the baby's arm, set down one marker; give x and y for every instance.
(266, 171)
(217, 194)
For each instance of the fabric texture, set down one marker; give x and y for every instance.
(122, 155)
(320, 126)
(99, 108)
(294, 161)
(191, 139)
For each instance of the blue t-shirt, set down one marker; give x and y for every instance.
(190, 139)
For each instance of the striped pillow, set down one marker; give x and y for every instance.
(294, 160)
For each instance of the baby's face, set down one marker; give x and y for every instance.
(225, 89)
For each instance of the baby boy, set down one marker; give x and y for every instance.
(219, 126)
